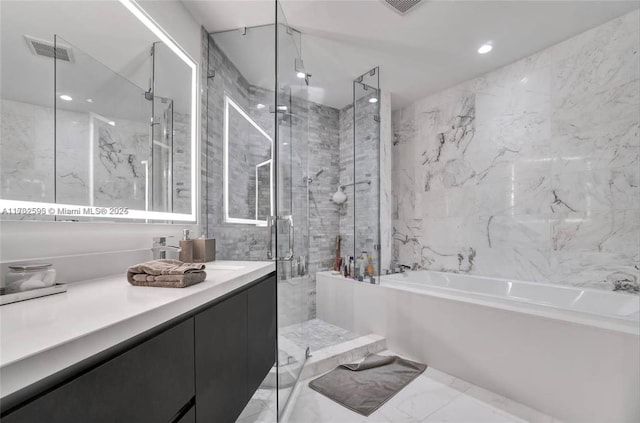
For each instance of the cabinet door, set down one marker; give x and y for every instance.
(148, 383)
(221, 361)
(262, 331)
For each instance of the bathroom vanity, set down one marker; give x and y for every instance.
(107, 351)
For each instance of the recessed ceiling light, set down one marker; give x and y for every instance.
(65, 97)
(260, 106)
(301, 75)
(485, 48)
(373, 100)
(89, 100)
(112, 123)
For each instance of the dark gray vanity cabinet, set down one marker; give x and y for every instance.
(221, 360)
(148, 383)
(235, 349)
(204, 366)
(262, 332)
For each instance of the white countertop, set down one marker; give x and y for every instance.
(42, 336)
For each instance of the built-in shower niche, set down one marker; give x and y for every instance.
(248, 170)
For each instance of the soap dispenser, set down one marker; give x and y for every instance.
(186, 247)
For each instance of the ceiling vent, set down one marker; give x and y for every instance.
(402, 6)
(46, 48)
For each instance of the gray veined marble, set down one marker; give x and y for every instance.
(531, 171)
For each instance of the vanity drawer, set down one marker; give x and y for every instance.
(148, 383)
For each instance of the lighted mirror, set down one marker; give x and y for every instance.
(248, 170)
(96, 122)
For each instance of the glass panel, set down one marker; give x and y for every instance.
(241, 67)
(292, 208)
(162, 159)
(172, 127)
(366, 175)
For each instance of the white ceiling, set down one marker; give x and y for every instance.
(112, 63)
(431, 48)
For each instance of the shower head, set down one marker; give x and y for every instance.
(309, 179)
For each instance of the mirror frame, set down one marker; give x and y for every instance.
(228, 101)
(116, 212)
(259, 165)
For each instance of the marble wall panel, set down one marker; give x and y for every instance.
(530, 171)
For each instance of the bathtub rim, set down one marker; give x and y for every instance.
(605, 322)
(393, 276)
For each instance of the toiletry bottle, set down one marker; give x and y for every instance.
(345, 267)
(352, 268)
(186, 247)
(363, 263)
(336, 261)
(370, 269)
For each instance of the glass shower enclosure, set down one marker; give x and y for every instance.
(257, 197)
(292, 208)
(366, 174)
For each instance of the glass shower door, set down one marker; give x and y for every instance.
(366, 175)
(291, 220)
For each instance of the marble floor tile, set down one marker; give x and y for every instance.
(423, 396)
(508, 406)
(466, 409)
(433, 397)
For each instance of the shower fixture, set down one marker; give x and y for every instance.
(310, 179)
(339, 197)
(367, 181)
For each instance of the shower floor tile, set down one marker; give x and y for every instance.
(316, 334)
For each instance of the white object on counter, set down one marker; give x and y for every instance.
(24, 277)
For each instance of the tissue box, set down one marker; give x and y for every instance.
(204, 250)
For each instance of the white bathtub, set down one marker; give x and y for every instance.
(594, 302)
(572, 353)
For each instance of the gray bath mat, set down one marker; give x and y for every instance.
(364, 387)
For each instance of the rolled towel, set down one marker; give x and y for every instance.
(166, 273)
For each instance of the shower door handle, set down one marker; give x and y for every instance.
(276, 219)
(291, 232)
(270, 220)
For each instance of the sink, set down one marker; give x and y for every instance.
(223, 267)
